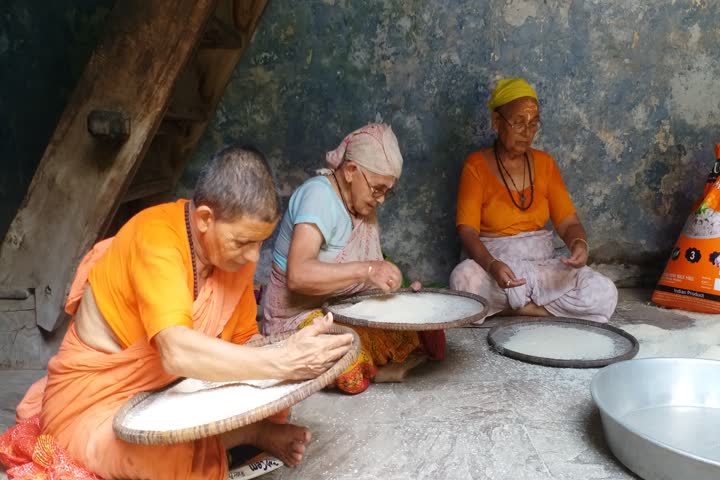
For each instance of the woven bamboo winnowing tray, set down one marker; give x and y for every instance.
(444, 320)
(127, 423)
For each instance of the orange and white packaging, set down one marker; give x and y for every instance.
(691, 280)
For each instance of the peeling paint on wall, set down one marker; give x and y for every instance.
(629, 103)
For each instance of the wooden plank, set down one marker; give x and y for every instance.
(16, 305)
(211, 70)
(80, 181)
(221, 35)
(14, 294)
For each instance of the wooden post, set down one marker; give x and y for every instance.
(80, 179)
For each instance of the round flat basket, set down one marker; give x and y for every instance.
(428, 309)
(563, 342)
(191, 409)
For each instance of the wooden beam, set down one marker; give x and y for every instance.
(109, 125)
(216, 67)
(198, 92)
(222, 36)
(78, 185)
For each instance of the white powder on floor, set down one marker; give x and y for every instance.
(193, 403)
(423, 307)
(561, 343)
(702, 340)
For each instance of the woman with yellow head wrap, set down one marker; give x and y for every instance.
(507, 194)
(510, 89)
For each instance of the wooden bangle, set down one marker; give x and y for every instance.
(580, 240)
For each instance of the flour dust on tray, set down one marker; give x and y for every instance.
(422, 307)
(193, 403)
(561, 343)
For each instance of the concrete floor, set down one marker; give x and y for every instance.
(477, 415)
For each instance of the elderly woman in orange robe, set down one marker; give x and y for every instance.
(508, 192)
(171, 295)
(329, 244)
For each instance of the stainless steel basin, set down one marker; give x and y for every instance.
(661, 416)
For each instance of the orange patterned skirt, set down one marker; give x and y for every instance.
(379, 347)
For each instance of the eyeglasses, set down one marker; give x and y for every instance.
(375, 192)
(533, 126)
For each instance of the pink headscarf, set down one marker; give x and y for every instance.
(373, 147)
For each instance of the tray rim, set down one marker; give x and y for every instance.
(560, 363)
(360, 322)
(604, 412)
(158, 437)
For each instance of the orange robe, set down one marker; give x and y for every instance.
(142, 281)
(485, 205)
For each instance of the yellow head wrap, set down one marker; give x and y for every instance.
(509, 89)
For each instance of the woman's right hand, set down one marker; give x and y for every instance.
(310, 352)
(384, 275)
(504, 276)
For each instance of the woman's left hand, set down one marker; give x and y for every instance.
(416, 286)
(578, 257)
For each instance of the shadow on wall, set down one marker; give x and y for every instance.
(628, 94)
(44, 47)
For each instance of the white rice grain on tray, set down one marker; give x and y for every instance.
(423, 307)
(561, 343)
(193, 402)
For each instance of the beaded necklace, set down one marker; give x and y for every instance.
(521, 193)
(192, 250)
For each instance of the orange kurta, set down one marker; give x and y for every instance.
(142, 282)
(484, 203)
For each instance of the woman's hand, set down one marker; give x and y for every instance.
(311, 352)
(504, 276)
(384, 275)
(578, 256)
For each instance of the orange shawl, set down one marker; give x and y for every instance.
(84, 388)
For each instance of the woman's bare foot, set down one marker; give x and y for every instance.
(284, 441)
(395, 372)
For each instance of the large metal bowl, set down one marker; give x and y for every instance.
(661, 416)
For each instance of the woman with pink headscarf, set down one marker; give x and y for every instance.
(329, 245)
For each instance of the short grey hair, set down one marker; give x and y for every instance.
(237, 182)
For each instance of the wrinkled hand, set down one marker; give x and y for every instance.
(310, 352)
(385, 276)
(416, 286)
(578, 257)
(504, 276)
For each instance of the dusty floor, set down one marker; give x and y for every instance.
(477, 415)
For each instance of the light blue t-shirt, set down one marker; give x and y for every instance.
(316, 202)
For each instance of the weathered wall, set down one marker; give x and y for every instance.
(44, 47)
(629, 96)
